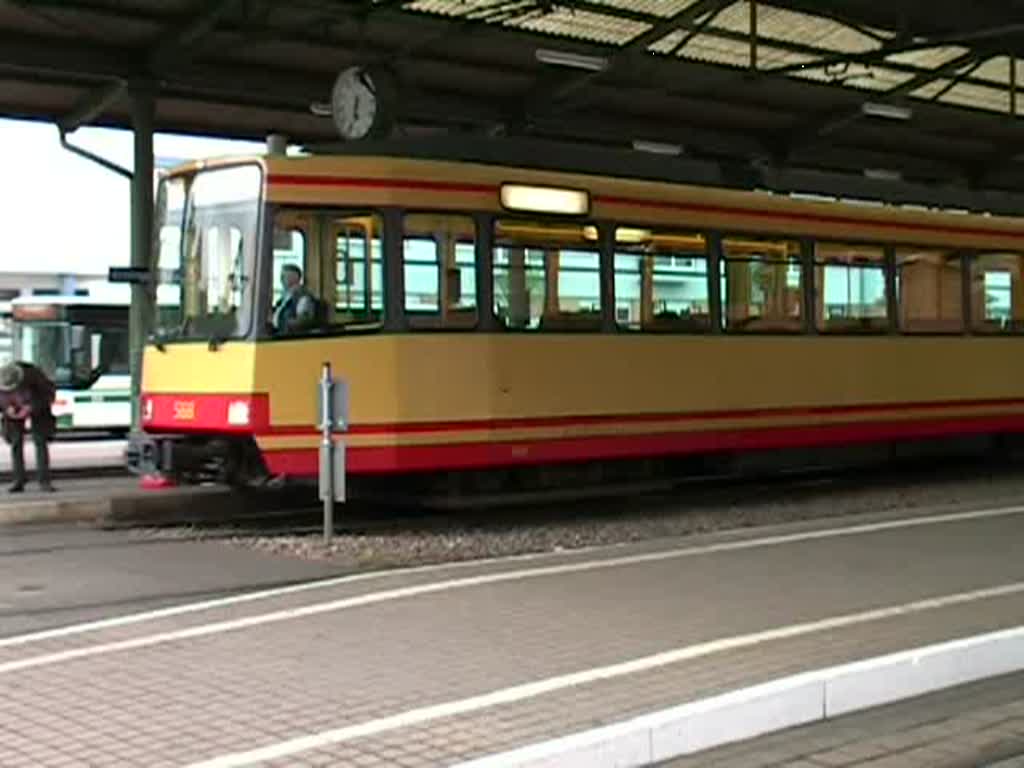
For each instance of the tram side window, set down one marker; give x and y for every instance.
(850, 285)
(661, 281)
(929, 289)
(762, 285)
(439, 255)
(359, 288)
(546, 276)
(997, 292)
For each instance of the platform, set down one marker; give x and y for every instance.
(70, 455)
(477, 662)
(117, 501)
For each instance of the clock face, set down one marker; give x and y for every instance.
(354, 103)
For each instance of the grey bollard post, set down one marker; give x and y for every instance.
(327, 451)
(333, 407)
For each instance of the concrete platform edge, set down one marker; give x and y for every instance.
(127, 508)
(774, 706)
(85, 510)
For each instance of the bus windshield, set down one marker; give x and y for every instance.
(6, 332)
(207, 228)
(46, 345)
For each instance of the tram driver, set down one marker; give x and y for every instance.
(297, 309)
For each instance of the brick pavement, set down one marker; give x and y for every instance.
(974, 726)
(187, 699)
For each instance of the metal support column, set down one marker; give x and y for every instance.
(1013, 86)
(716, 269)
(892, 298)
(753, 36)
(485, 272)
(609, 323)
(142, 112)
(812, 292)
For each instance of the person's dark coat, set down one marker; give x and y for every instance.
(36, 388)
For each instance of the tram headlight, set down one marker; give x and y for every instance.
(238, 414)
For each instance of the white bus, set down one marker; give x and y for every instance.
(6, 343)
(82, 343)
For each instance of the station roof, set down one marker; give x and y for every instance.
(922, 90)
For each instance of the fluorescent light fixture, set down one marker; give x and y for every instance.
(569, 59)
(882, 174)
(522, 197)
(890, 111)
(657, 147)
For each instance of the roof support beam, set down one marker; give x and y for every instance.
(753, 35)
(957, 79)
(91, 106)
(903, 45)
(544, 95)
(816, 130)
(901, 90)
(696, 29)
(1013, 86)
(179, 41)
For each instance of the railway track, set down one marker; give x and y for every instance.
(283, 513)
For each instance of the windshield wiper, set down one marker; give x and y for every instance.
(159, 340)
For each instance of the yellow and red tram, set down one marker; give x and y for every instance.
(490, 316)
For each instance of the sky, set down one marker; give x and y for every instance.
(58, 209)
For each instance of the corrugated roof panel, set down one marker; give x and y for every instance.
(931, 90)
(668, 43)
(793, 27)
(583, 25)
(716, 50)
(997, 70)
(735, 53)
(859, 77)
(453, 7)
(979, 97)
(770, 56)
(928, 58)
(663, 8)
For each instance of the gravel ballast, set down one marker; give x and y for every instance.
(429, 539)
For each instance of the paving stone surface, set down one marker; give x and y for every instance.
(436, 666)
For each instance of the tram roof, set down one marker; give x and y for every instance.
(923, 90)
(564, 158)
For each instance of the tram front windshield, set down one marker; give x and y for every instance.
(207, 226)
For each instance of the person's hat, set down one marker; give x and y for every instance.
(10, 377)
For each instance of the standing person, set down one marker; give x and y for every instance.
(296, 311)
(26, 394)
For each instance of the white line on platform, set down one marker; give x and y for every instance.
(440, 586)
(596, 674)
